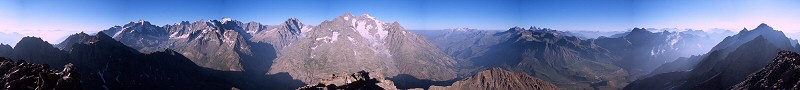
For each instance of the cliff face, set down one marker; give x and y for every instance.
(220, 45)
(22, 75)
(783, 73)
(499, 79)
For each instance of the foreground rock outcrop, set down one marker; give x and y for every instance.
(499, 79)
(22, 75)
(353, 81)
(782, 74)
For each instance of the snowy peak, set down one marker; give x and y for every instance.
(368, 16)
(533, 28)
(361, 42)
(135, 28)
(461, 29)
(141, 22)
(515, 29)
(226, 20)
(346, 16)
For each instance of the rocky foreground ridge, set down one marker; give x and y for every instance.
(782, 74)
(499, 79)
(22, 75)
(352, 81)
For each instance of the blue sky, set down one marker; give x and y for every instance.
(54, 19)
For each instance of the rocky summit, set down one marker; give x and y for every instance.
(361, 80)
(783, 73)
(499, 79)
(22, 75)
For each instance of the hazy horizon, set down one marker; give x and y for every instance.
(54, 20)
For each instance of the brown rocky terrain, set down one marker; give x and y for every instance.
(783, 73)
(499, 79)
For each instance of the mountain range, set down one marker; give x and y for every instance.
(229, 54)
(727, 64)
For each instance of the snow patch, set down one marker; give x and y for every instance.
(226, 20)
(335, 36)
(346, 18)
(673, 41)
(353, 23)
(101, 74)
(329, 39)
(315, 47)
(325, 38)
(228, 39)
(368, 16)
(176, 35)
(251, 32)
(305, 30)
(652, 53)
(350, 38)
(363, 30)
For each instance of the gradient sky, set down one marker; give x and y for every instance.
(55, 19)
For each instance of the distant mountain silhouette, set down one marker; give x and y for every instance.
(726, 65)
(642, 51)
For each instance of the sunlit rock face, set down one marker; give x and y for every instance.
(220, 45)
(353, 43)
